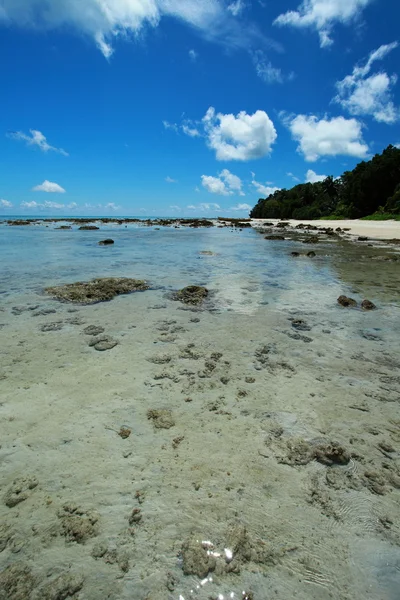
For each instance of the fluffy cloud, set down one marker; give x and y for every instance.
(5, 204)
(169, 179)
(312, 177)
(322, 15)
(226, 184)
(105, 20)
(241, 137)
(50, 187)
(241, 207)
(36, 138)
(362, 95)
(327, 137)
(264, 190)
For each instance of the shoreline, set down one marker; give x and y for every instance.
(379, 230)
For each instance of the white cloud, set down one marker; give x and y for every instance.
(241, 137)
(204, 207)
(193, 55)
(111, 206)
(242, 207)
(312, 177)
(327, 137)
(265, 70)
(214, 185)
(236, 7)
(397, 145)
(106, 20)
(48, 205)
(5, 204)
(226, 184)
(264, 190)
(292, 176)
(50, 187)
(36, 138)
(169, 179)
(322, 15)
(175, 207)
(190, 131)
(173, 126)
(362, 95)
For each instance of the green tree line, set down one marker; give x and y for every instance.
(371, 187)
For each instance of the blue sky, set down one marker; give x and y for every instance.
(189, 107)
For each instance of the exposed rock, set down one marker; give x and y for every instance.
(192, 294)
(88, 227)
(345, 301)
(93, 330)
(99, 550)
(196, 560)
(100, 289)
(311, 254)
(367, 305)
(314, 239)
(362, 238)
(78, 525)
(162, 418)
(274, 237)
(331, 453)
(107, 242)
(19, 490)
(295, 253)
(102, 343)
(64, 227)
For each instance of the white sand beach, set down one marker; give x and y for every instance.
(381, 230)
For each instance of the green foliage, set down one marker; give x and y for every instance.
(371, 187)
(379, 216)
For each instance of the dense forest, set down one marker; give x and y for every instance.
(372, 187)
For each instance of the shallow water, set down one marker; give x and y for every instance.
(243, 386)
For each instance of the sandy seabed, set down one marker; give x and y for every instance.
(212, 453)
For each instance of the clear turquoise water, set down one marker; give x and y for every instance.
(256, 286)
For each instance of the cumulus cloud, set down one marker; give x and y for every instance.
(50, 187)
(5, 204)
(36, 138)
(362, 95)
(106, 20)
(264, 190)
(312, 177)
(241, 207)
(169, 179)
(322, 15)
(241, 137)
(111, 206)
(226, 184)
(327, 137)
